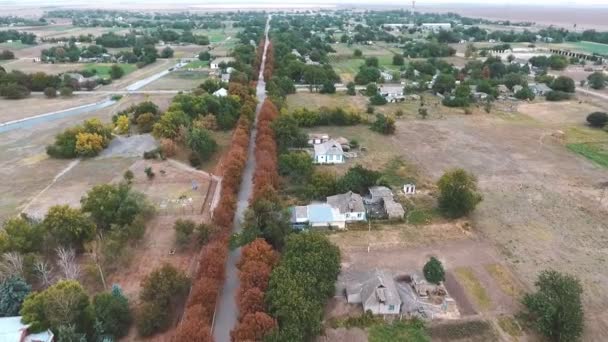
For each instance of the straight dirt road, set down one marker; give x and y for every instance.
(226, 310)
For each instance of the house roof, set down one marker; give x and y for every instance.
(380, 191)
(347, 202)
(374, 286)
(393, 209)
(328, 147)
(540, 87)
(392, 89)
(219, 60)
(12, 330)
(221, 92)
(319, 213)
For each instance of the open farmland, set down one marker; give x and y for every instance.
(103, 69)
(179, 80)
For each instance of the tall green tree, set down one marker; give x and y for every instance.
(556, 308)
(458, 193)
(68, 226)
(201, 142)
(112, 313)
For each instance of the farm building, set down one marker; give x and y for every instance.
(221, 93)
(216, 63)
(384, 196)
(317, 138)
(12, 330)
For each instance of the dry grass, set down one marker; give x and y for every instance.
(504, 278)
(510, 326)
(468, 280)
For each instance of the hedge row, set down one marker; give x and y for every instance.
(266, 176)
(269, 66)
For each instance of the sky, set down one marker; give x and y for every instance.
(568, 3)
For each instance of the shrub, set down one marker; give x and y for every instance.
(168, 147)
(149, 173)
(597, 119)
(377, 100)
(564, 84)
(433, 271)
(201, 142)
(555, 95)
(50, 92)
(383, 124)
(525, 94)
(116, 71)
(65, 91)
(14, 91)
(112, 312)
(145, 122)
(183, 231)
(194, 159)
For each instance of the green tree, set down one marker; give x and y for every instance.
(444, 83)
(433, 271)
(50, 92)
(201, 142)
(267, 218)
(183, 231)
(204, 56)
(597, 80)
(13, 291)
(321, 185)
(69, 226)
(597, 119)
(169, 124)
(116, 72)
(167, 52)
(23, 236)
(563, 83)
(556, 308)
(287, 133)
(525, 93)
(350, 89)
(357, 53)
(458, 193)
(398, 60)
(383, 124)
(358, 179)
(372, 62)
(377, 100)
(297, 165)
(113, 204)
(112, 312)
(64, 303)
(513, 79)
(371, 89)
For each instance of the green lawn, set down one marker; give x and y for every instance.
(103, 69)
(596, 152)
(591, 47)
(15, 45)
(410, 331)
(197, 64)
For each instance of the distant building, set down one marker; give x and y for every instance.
(409, 189)
(384, 195)
(436, 26)
(392, 92)
(348, 204)
(376, 291)
(329, 152)
(387, 76)
(215, 64)
(225, 78)
(12, 330)
(539, 89)
(221, 92)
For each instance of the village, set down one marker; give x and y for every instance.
(327, 174)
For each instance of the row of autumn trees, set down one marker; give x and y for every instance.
(258, 257)
(200, 306)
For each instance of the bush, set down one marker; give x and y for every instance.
(377, 100)
(525, 94)
(183, 231)
(204, 56)
(112, 312)
(194, 159)
(557, 96)
(14, 91)
(116, 72)
(66, 91)
(50, 92)
(563, 83)
(433, 271)
(597, 119)
(383, 124)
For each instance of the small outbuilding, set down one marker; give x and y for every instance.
(222, 92)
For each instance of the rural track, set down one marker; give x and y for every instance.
(226, 310)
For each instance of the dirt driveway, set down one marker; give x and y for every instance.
(540, 204)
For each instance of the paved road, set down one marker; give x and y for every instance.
(226, 312)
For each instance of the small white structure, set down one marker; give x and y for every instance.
(215, 64)
(409, 189)
(317, 138)
(392, 92)
(329, 152)
(221, 93)
(225, 78)
(387, 76)
(376, 291)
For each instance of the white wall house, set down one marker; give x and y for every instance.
(350, 205)
(221, 93)
(329, 152)
(376, 291)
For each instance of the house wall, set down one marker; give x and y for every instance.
(337, 224)
(329, 159)
(382, 309)
(355, 216)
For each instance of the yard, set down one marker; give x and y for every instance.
(179, 80)
(103, 69)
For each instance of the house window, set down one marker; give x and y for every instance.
(391, 308)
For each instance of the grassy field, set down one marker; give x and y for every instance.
(15, 45)
(197, 64)
(596, 152)
(103, 70)
(592, 47)
(469, 281)
(399, 331)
